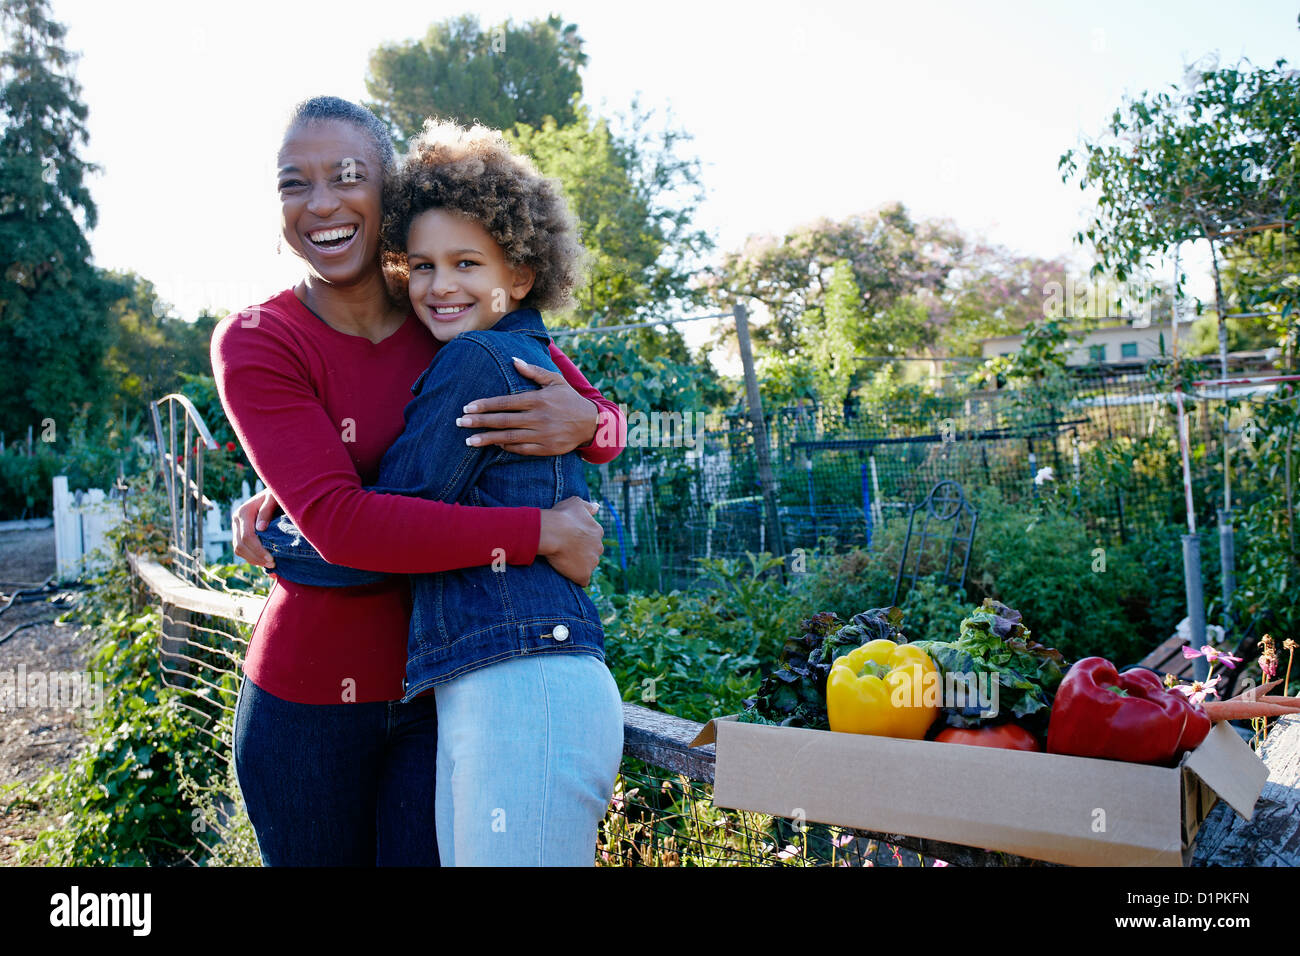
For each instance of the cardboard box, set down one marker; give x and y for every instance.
(1074, 810)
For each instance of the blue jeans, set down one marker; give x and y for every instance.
(528, 749)
(338, 784)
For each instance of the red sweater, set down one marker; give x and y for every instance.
(315, 409)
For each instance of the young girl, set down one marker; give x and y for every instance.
(529, 718)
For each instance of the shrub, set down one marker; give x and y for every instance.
(700, 653)
(1036, 557)
(26, 483)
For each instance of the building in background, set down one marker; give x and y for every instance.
(1124, 347)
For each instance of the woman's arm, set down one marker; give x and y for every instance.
(611, 431)
(300, 455)
(567, 411)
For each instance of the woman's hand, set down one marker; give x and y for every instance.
(571, 539)
(551, 420)
(253, 515)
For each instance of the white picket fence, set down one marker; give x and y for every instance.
(82, 520)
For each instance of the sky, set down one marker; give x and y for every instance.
(797, 110)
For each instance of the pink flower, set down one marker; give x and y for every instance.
(789, 851)
(1197, 691)
(1211, 654)
(841, 841)
(1216, 656)
(940, 863)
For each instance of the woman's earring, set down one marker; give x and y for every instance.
(277, 247)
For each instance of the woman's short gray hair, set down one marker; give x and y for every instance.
(335, 108)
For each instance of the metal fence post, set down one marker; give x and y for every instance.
(1227, 562)
(1195, 600)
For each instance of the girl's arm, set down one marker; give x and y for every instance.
(300, 455)
(429, 459)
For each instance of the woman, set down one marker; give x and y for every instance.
(334, 769)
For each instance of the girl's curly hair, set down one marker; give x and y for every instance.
(475, 172)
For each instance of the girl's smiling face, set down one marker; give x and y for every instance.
(460, 280)
(330, 182)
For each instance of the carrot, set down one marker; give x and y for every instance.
(1264, 689)
(1257, 693)
(1292, 702)
(1218, 710)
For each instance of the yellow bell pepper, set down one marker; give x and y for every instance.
(883, 688)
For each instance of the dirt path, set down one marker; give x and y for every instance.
(38, 730)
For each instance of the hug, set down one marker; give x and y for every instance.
(427, 682)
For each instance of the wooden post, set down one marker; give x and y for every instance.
(754, 404)
(177, 625)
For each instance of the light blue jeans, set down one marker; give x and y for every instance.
(528, 750)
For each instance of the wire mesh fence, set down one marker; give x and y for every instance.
(199, 659)
(1110, 442)
(662, 819)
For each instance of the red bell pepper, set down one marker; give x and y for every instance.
(1131, 716)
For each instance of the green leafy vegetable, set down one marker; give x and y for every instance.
(994, 642)
(794, 695)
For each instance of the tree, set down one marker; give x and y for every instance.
(620, 369)
(150, 352)
(632, 190)
(634, 198)
(993, 291)
(1259, 279)
(498, 77)
(1219, 161)
(53, 303)
(891, 258)
(837, 332)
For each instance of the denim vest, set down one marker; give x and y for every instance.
(467, 619)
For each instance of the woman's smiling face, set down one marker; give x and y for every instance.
(331, 184)
(460, 280)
